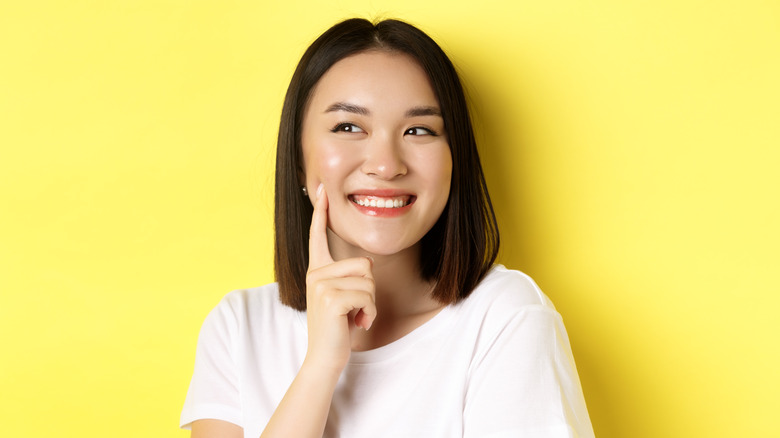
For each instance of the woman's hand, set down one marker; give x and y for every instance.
(339, 298)
(339, 295)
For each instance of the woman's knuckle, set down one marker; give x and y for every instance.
(328, 298)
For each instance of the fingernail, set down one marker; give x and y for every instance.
(371, 260)
(319, 190)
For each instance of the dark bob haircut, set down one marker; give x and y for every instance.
(461, 247)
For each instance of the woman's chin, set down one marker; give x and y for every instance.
(379, 247)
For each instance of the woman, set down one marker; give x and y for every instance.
(390, 319)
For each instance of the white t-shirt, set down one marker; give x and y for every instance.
(496, 364)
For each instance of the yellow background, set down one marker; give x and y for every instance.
(632, 150)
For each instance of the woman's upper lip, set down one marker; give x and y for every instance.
(385, 193)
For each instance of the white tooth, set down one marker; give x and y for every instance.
(381, 202)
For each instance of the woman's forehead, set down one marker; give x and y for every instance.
(374, 81)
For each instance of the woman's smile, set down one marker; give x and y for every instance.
(382, 203)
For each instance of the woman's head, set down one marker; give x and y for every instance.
(373, 135)
(463, 242)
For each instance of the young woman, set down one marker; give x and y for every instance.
(389, 317)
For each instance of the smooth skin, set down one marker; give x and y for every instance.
(364, 288)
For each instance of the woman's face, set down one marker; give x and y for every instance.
(373, 135)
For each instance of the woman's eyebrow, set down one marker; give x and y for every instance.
(417, 111)
(423, 111)
(348, 107)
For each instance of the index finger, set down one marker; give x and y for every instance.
(319, 252)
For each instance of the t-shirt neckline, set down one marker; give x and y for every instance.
(428, 328)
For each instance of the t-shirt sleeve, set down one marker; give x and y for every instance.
(213, 391)
(524, 382)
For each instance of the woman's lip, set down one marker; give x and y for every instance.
(386, 212)
(382, 201)
(381, 193)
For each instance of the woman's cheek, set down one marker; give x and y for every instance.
(330, 165)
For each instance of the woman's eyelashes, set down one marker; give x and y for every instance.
(419, 130)
(355, 129)
(347, 127)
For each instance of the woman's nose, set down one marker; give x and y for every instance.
(384, 159)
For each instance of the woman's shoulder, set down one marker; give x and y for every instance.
(510, 288)
(268, 293)
(261, 303)
(507, 308)
(503, 295)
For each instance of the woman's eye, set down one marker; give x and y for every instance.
(418, 130)
(346, 127)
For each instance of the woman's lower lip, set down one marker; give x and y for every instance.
(383, 212)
